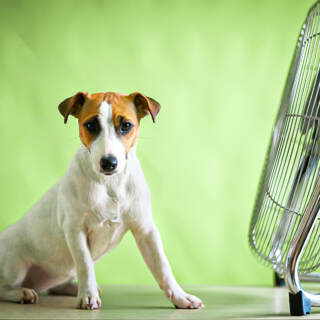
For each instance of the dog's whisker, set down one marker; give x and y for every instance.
(145, 138)
(74, 138)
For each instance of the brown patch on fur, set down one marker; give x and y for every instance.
(131, 108)
(88, 111)
(123, 107)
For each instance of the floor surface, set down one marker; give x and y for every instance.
(134, 302)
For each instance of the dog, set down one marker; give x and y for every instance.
(86, 213)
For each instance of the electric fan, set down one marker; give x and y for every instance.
(285, 229)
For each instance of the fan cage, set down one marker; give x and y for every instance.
(292, 165)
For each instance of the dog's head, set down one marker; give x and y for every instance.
(109, 125)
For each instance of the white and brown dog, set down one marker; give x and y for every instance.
(84, 216)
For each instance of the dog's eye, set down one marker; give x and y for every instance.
(92, 126)
(125, 127)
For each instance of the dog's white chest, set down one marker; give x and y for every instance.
(104, 220)
(104, 237)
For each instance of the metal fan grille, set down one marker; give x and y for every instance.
(292, 163)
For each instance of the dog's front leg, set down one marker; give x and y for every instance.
(150, 245)
(88, 296)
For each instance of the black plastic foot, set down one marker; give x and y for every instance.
(300, 305)
(277, 281)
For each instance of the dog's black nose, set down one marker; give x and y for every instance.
(108, 163)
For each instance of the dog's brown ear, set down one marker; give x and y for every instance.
(145, 105)
(72, 105)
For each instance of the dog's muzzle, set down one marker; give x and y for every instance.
(108, 164)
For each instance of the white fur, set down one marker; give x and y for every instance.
(108, 141)
(77, 222)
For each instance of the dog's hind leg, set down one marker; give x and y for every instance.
(22, 295)
(12, 275)
(69, 288)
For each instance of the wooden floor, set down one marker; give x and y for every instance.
(131, 302)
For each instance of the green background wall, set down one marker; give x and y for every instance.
(217, 68)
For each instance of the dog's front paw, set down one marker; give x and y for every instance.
(183, 300)
(88, 302)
